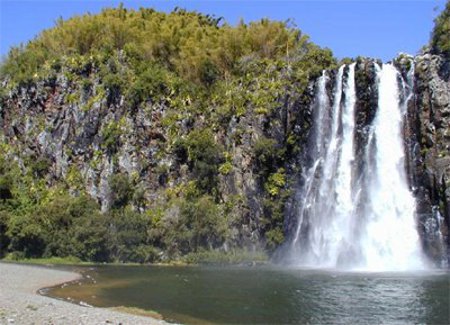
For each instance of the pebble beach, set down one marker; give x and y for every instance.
(20, 302)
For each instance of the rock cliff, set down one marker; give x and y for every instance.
(80, 135)
(428, 138)
(426, 126)
(83, 146)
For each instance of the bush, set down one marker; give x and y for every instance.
(266, 155)
(180, 150)
(149, 84)
(121, 190)
(111, 133)
(217, 257)
(27, 235)
(40, 166)
(91, 238)
(207, 225)
(129, 234)
(275, 182)
(440, 39)
(274, 237)
(187, 225)
(205, 155)
(6, 185)
(208, 73)
(4, 239)
(226, 168)
(62, 226)
(113, 84)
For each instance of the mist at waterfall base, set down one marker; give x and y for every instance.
(267, 294)
(355, 209)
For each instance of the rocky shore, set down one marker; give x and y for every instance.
(21, 304)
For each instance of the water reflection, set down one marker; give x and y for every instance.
(369, 300)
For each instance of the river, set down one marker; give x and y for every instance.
(267, 294)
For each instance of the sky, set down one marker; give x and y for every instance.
(374, 28)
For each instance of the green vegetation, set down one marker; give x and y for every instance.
(238, 256)
(440, 38)
(196, 47)
(204, 157)
(111, 136)
(203, 74)
(50, 226)
(45, 261)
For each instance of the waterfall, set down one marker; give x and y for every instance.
(320, 109)
(337, 226)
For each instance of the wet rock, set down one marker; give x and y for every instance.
(428, 152)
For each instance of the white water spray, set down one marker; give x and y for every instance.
(391, 240)
(333, 230)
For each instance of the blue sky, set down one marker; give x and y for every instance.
(378, 29)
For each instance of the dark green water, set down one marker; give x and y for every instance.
(268, 294)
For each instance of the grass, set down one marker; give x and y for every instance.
(70, 260)
(31, 307)
(239, 256)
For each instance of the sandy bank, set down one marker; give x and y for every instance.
(20, 304)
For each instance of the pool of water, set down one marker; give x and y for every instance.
(267, 294)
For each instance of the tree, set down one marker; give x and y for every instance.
(121, 190)
(204, 159)
(440, 37)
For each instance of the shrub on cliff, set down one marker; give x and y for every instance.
(440, 38)
(121, 190)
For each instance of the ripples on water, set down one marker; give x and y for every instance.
(269, 294)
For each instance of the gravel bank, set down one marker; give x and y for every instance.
(20, 304)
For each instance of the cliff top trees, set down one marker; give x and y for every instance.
(440, 38)
(197, 47)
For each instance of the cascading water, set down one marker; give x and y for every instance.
(390, 240)
(337, 225)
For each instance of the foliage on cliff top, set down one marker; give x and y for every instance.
(440, 39)
(197, 47)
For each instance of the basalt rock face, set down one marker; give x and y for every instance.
(83, 136)
(427, 135)
(85, 141)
